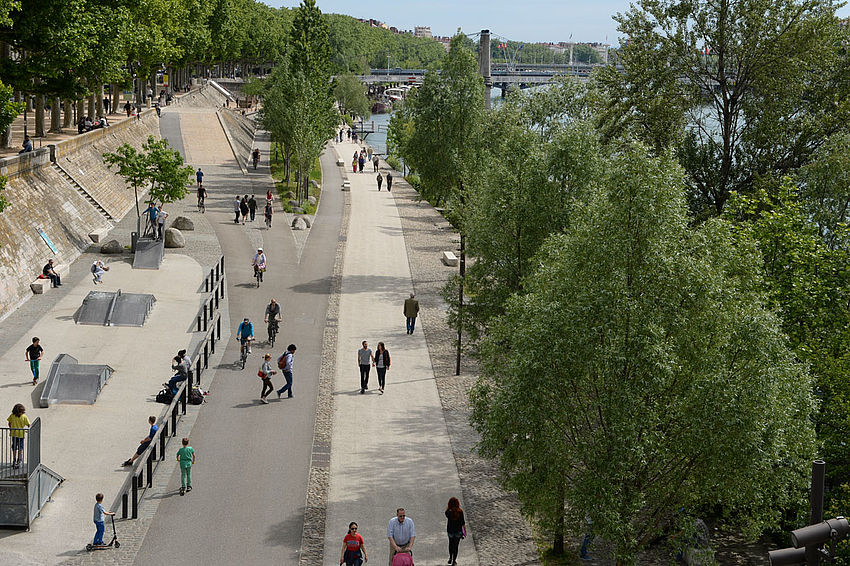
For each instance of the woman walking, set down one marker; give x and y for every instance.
(353, 548)
(243, 208)
(265, 374)
(382, 364)
(455, 528)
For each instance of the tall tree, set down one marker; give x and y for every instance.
(447, 113)
(350, 94)
(773, 73)
(641, 373)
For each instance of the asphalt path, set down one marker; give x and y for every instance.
(250, 479)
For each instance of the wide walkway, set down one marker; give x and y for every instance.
(390, 450)
(247, 505)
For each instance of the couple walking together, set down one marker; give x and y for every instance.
(284, 363)
(380, 360)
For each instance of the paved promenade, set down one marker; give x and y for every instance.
(86, 444)
(390, 450)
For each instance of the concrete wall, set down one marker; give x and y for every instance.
(42, 198)
(240, 131)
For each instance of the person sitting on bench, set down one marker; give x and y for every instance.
(51, 274)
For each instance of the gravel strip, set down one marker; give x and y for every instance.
(500, 533)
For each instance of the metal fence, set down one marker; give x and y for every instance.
(141, 477)
(20, 451)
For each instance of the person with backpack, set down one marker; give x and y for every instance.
(284, 362)
(265, 374)
(353, 548)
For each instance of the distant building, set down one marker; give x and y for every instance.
(422, 31)
(444, 41)
(601, 49)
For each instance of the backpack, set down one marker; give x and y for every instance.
(281, 361)
(94, 268)
(195, 397)
(164, 397)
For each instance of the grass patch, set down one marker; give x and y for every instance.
(284, 187)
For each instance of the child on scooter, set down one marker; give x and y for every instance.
(99, 516)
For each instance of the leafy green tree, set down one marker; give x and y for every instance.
(157, 168)
(641, 372)
(773, 74)
(586, 54)
(350, 93)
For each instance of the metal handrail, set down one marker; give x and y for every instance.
(214, 285)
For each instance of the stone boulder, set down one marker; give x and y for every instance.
(289, 195)
(294, 203)
(174, 238)
(297, 210)
(306, 220)
(112, 247)
(314, 183)
(183, 223)
(312, 200)
(298, 223)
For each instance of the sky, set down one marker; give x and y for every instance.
(520, 20)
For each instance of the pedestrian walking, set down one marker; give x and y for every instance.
(99, 516)
(369, 153)
(237, 207)
(34, 353)
(265, 374)
(284, 363)
(252, 207)
(401, 533)
(354, 163)
(18, 423)
(375, 162)
(243, 208)
(411, 311)
(364, 360)
(127, 108)
(455, 528)
(389, 182)
(382, 364)
(199, 177)
(158, 111)
(361, 160)
(380, 180)
(353, 548)
(186, 458)
(161, 216)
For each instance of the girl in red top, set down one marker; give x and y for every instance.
(352, 548)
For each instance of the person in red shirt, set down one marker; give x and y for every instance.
(353, 548)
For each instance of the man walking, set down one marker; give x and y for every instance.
(375, 162)
(161, 215)
(252, 207)
(401, 533)
(284, 362)
(34, 353)
(236, 208)
(364, 360)
(380, 180)
(411, 310)
(389, 182)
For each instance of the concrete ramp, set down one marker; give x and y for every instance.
(149, 253)
(114, 308)
(73, 383)
(221, 89)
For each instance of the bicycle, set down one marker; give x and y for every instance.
(274, 327)
(268, 221)
(244, 350)
(256, 161)
(201, 205)
(258, 273)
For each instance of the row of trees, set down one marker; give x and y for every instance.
(660, 299)
(517, 52)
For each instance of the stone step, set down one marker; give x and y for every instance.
(80, 189)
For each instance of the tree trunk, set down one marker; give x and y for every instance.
(68, 113)
(39, 116)
(56, 115)
(81, 110)
(116, 99)
(91, 108)
(98, 93)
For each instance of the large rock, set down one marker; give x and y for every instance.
(183, 223)
(294, 203)
(298, 223)
(297, 210)
(289, 195)
(312, 200)
(314, 183)
(112, 247)
(174, 238)
(306, 220)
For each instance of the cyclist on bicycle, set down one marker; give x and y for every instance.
(273, 316)
(259, 263)
(269, 211)
(245, 333)
(202, 195)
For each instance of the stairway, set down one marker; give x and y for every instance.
(83, 192)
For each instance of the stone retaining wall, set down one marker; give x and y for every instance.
(241, 133)
(41, 198)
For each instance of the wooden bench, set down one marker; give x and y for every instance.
(449, 259)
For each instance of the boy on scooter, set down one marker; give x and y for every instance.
(99, 516)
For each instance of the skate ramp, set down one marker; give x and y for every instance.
(71, 382)
(149, 253)
(114, 308)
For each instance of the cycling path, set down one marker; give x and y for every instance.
(391, 450)
(250, 480)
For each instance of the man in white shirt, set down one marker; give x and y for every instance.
(401, 533)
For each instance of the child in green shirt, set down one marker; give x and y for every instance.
(186, 457)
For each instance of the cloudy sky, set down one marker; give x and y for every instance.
(520, 20)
